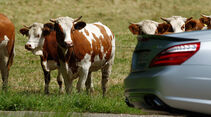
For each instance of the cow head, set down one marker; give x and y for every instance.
(35, 33)
(64, 27)
(206, 20)
(177, 23)
(143, 27)
(193, 25)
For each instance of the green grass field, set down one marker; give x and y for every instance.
(26, 81)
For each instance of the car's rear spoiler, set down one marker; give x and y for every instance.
(163, 37)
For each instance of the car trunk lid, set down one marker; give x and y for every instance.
(149, 46)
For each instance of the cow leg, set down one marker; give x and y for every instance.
(89, 84)
(4, 69)
(106, 71)
(59, 81)
(47, 76)
(66, 76)
(47, 81)
(68, 84)
(4, 75)
(5, 64)
(81, 81)
(83, 76)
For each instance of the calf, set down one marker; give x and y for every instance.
(195, 24)
(177, 23)
(150, 27)
(43, 43)
(84, 48)
(7, 41)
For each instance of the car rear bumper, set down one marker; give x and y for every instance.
(139, 88)
(185, 87)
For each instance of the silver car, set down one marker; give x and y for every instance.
(171, 71)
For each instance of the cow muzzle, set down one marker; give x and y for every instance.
(69, 44)
(28, 47)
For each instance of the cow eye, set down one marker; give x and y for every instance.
(37, 36)
(183, 27)
(202, 21)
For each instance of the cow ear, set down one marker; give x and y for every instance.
(189, 19)
(190, 25)
(24, 31)
(49, 25)
(165, 28)
(135, 29)
(79, 25)
(165, 19)
(46, 31)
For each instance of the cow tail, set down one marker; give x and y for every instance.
(12, 54)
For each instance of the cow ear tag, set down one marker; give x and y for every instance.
(205, 25)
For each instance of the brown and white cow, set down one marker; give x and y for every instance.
(195, 24)
(150, 27)
(84, 48)
(7, 41)
(177, 23)
(43, 43)
(206, 20)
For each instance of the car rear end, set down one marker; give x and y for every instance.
(171, 71)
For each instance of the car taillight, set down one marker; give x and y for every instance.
(175, 55)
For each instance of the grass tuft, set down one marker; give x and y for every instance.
(19, 101)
